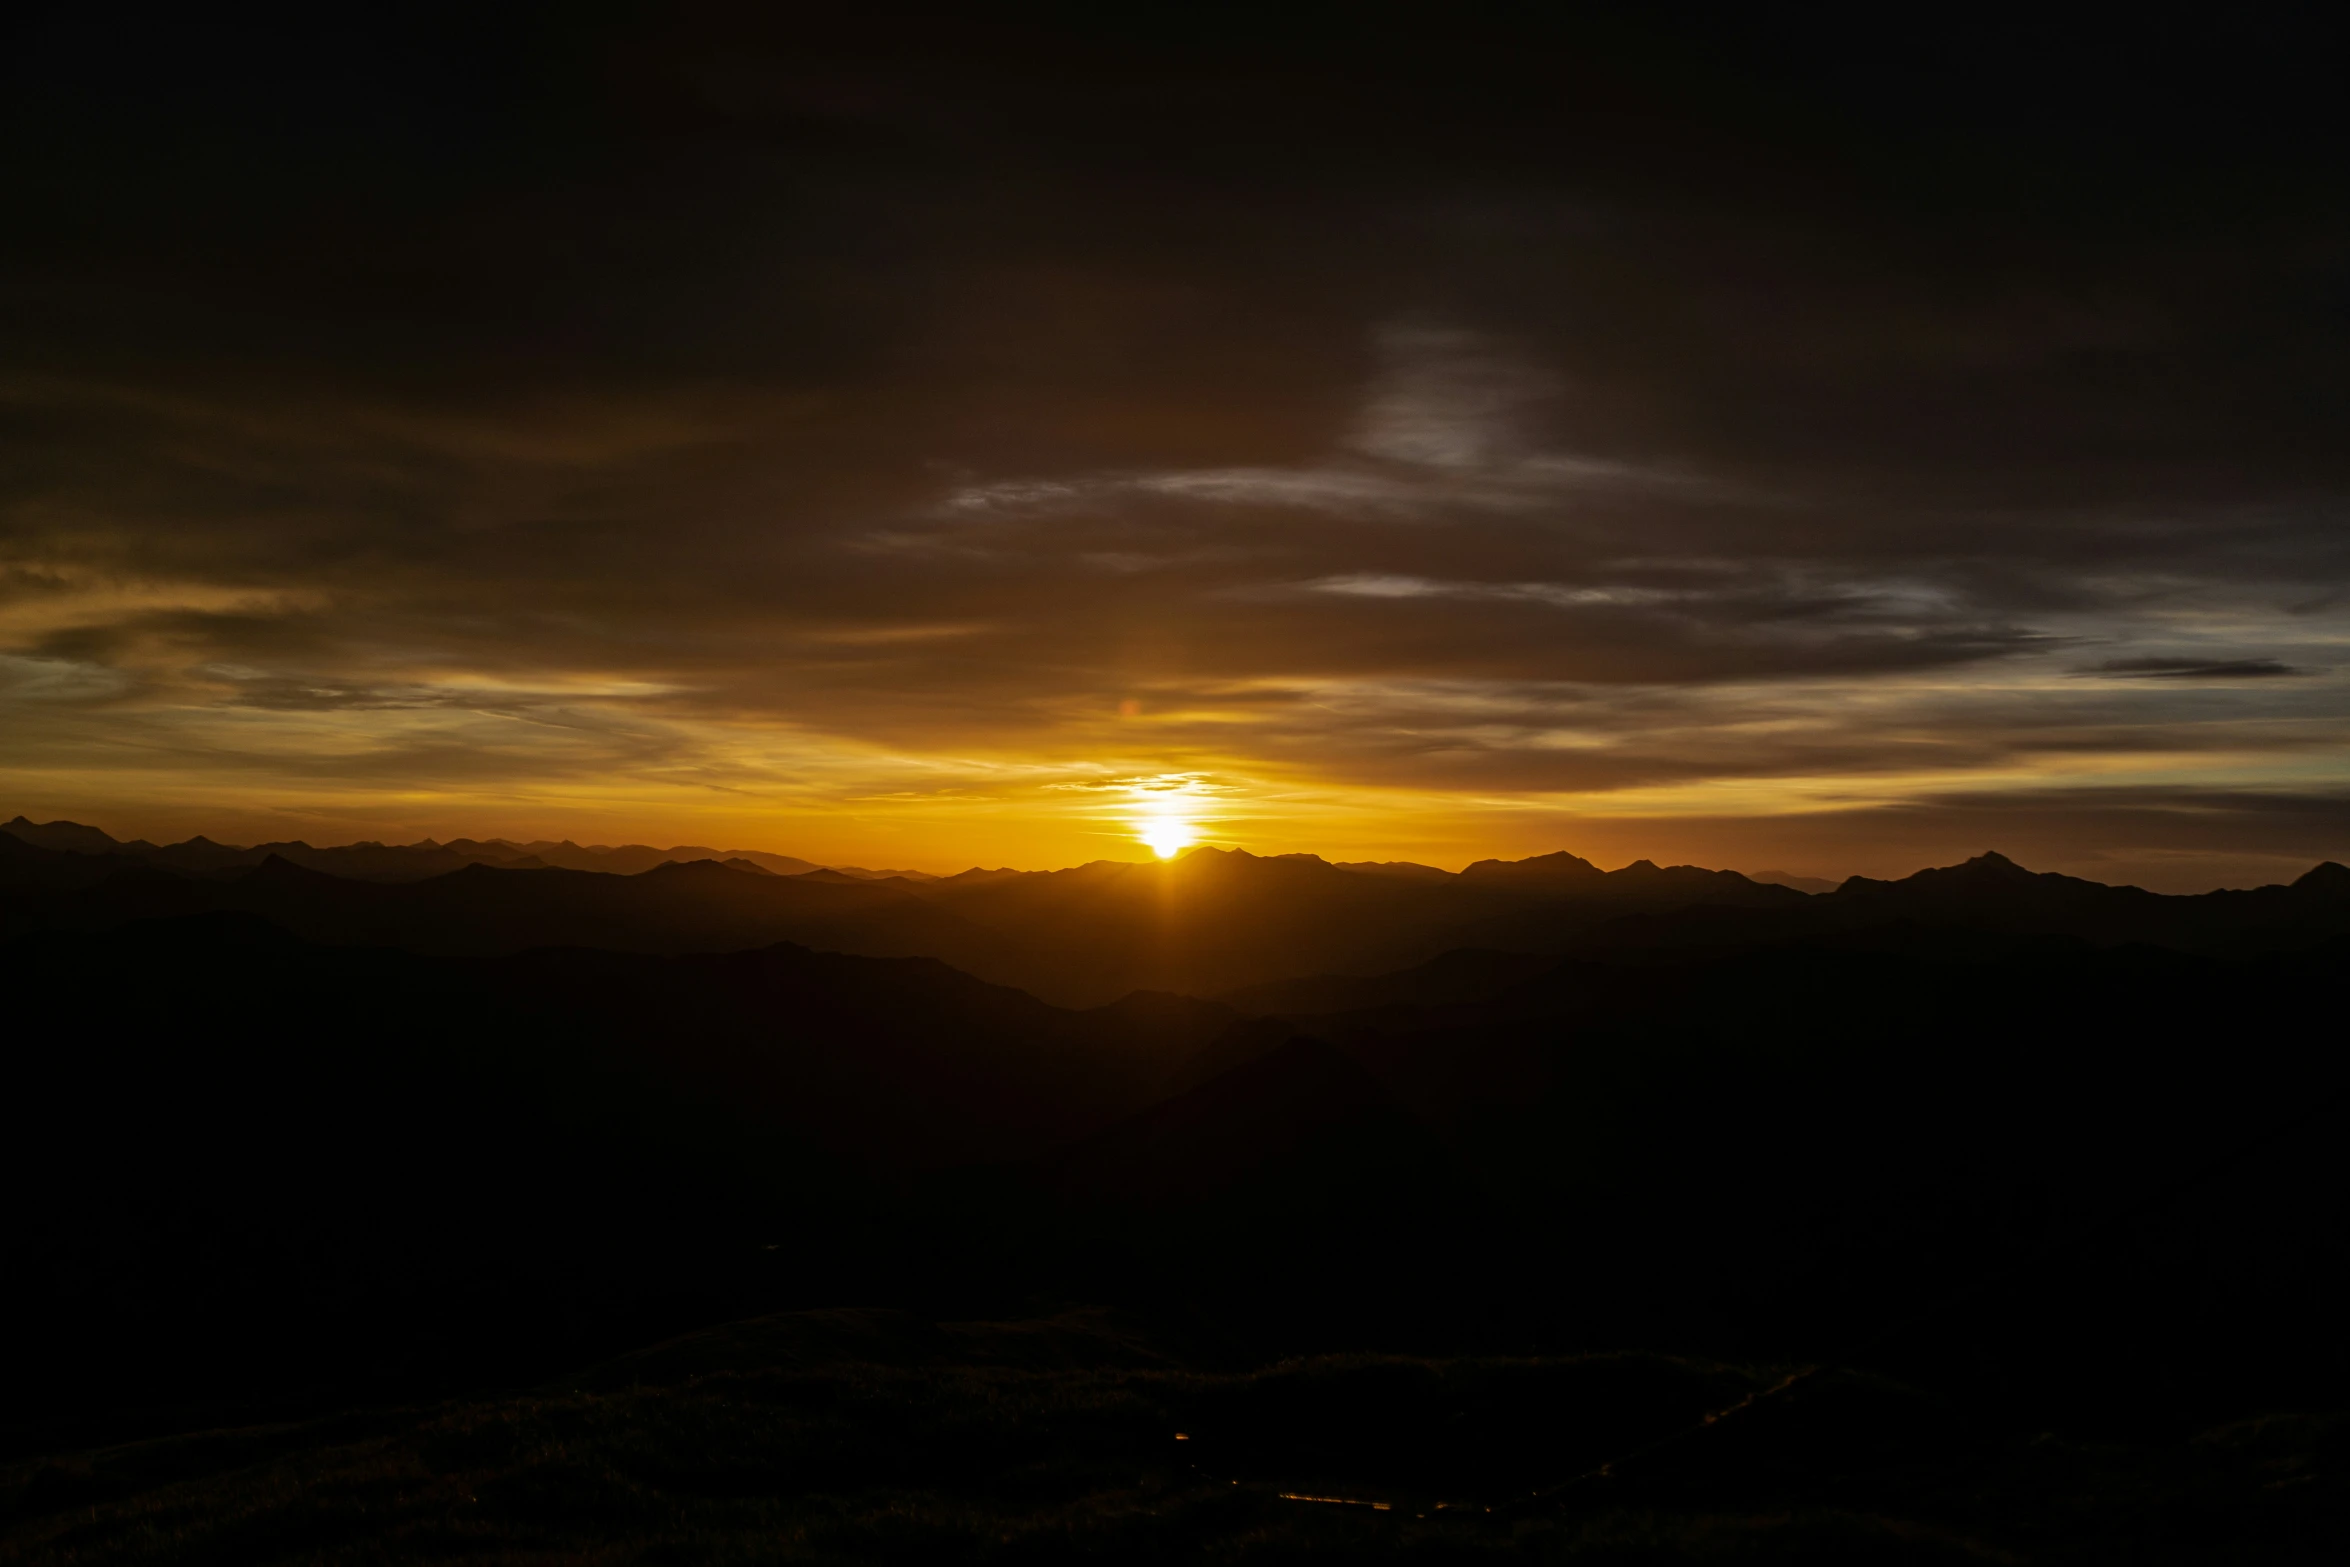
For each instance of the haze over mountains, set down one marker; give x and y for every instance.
(1212, 922)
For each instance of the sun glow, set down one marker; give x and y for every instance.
(1167, 836)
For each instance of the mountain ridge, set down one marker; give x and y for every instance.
(1213, 922)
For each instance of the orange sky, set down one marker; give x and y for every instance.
(901, 454)
(943, 814)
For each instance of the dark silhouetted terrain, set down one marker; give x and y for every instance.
(335, 1168)
(1215, 921)
(867, 1436)
(408, 861)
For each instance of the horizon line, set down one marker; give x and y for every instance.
(709, 853)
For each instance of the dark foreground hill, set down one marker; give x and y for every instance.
(1973, 1144)
(880, 1437)
(247, 1168)
(2094, 1187)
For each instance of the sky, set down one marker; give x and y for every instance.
(936, 440)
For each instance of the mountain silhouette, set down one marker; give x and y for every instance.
(1799, 1143)
(1551, 870)
(1213, 922)
(1218, 920)
(274, 1130)
(245, 1162)
(1992, 892)
(71, 836)
(398, 862)
(697, 906)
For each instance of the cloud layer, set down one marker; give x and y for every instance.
(869, 445)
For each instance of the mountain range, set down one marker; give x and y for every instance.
(281, 1141)
(1214, 922)
(412, 861)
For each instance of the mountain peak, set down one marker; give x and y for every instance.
(74, 837)
(1992, 863)
(2329, 876)
(1556, 866)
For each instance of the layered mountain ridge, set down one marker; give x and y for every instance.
(370, 861)
(273, 1129)
(1214, 922)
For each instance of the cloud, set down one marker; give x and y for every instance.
(1472, 450)
(1450, 398)
(57, 680)
(1444, 431)
(2195, 669)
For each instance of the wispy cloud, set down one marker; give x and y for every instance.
(1450, 428)
(2195, 669)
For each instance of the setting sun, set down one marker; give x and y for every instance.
(1167, 836)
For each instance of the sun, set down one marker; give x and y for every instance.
(1167, 836)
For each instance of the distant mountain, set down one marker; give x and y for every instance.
(1991, 892)
(28, 871)
(1219, 920)
(1211, 923)
(1982, 908)
(697, 906)
(1403, 868)
(635, 859)
(1811, 884)
(1207, 923)
(1558, 870)
(71, 836)
(401, 862)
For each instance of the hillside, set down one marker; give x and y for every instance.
(284, 1144)
(871, 1436)
(345, 1168)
